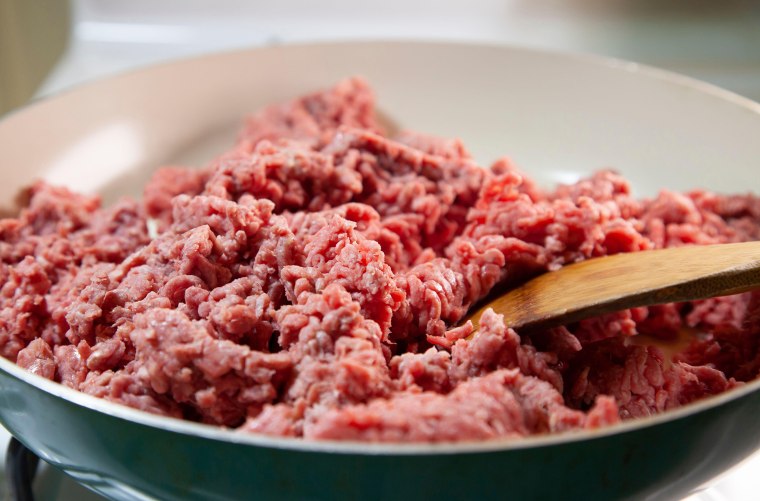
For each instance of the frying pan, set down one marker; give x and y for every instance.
(558, 115)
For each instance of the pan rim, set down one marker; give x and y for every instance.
(229, 435)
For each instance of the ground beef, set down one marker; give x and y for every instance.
(310, 283)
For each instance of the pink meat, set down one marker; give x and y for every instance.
(311, 282)
(168, 182)
(37, 358)
(504, 403)
(639, 380)
(452, 148)
(314, 118)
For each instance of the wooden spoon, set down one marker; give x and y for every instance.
(612, 283)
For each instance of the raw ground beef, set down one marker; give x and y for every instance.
(310, 281)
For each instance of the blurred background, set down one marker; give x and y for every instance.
(47, 46)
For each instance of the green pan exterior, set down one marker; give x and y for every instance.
(127, 460)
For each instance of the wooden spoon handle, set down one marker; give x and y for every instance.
(612, 283)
